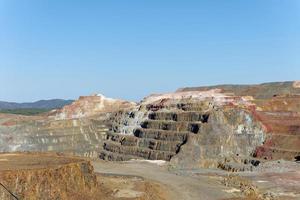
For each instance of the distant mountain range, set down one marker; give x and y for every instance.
(42, 104)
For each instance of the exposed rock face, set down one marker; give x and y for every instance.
(280, 116)
(82, 137)
(87, 106)
(214, 126)
(193, 127)
(78, 129)
(296, 84)
(126, 121)
(230, 134)
(44, 176)
(276, 106)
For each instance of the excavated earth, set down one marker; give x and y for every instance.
(251, 132)
(271, 181)
(50, 176)
(45, 176)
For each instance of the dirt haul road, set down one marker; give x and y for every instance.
(179, 186)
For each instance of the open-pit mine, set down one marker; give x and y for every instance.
(225, 142)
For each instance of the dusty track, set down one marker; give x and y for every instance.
(272, 180)
(45, 176)
(179, 187)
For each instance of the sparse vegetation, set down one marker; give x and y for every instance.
(25, 111)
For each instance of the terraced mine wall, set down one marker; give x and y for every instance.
(191, 129)
(83, 137)
(190, 134)
(229, 137)
(281, 118)
(78, 129)
(276, 106)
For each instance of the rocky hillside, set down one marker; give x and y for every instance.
(231, 127)
(79, 128)
(190, 129)
(277, 108)
(45, 176)
(42, 104)
(87, 106)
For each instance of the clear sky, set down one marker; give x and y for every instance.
(129, 49)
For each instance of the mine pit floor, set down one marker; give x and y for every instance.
(18, 161)
(141, 180)
(49, 176)
(280, 182)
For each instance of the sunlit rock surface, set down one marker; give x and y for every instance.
(192, 129)
(233, 127)
(75, 136)
(227, 126)
(46, 176)
(87, 106)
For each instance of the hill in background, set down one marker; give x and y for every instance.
(33, 107)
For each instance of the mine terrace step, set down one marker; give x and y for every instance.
(193, 127)
(284, 150)
(153, 144)
(135, 140)
(284, 134)
(291, 142)
(126, 140)
(194, 106)
(284, 121)
(160, 145)
(179, 116)
(280, 113)
(62, 129)
(277, 128)
(270, 153)
(294, 116)
(201, 106)
(161, 134)
(111, 156)
(138, 151)
(79, 138)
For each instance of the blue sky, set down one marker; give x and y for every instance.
(129, 49)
